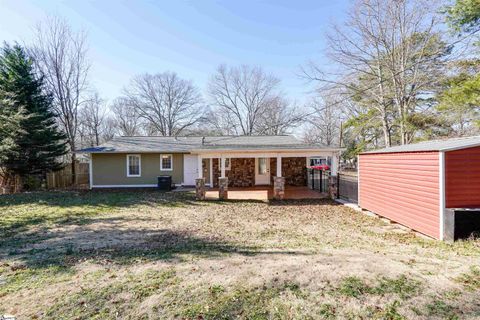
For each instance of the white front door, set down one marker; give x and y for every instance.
(190, 169)
(262, 171)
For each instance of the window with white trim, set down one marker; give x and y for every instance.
(166, 162)
(133, 165)
(228, 164)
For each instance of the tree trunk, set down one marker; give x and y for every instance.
(386, 133)
(74, 173)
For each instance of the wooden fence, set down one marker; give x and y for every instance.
(62, 179)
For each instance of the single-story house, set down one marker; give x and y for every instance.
(246, 161)
(432, 187)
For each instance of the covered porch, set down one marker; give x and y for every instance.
(258, 175)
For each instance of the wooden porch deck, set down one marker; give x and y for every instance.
(265, 193)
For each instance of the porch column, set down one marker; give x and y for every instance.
(278, 188)
(279, 166)
(279, 181)
(200, 166)
(222, 166)
(200, 188)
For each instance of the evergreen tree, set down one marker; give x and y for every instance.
(10, 118)
(38, 143)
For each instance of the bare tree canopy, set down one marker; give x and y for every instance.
(279, 117)
(93, 121)
(324, 122)
(126, 117)
(60, 54)
(167, 103)
(247, 102)
(389, 57)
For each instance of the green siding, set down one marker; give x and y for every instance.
(111, 169)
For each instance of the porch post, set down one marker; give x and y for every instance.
(279, 181)
(222, 166)
(279, 166)
(200, 166)
(200, 188)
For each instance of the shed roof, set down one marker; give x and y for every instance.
(188, 144)
(433, 145)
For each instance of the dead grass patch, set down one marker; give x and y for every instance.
(145, 254)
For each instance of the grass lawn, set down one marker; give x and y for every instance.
(148, 255)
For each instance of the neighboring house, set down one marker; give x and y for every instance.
(421, 185)
(247, 160)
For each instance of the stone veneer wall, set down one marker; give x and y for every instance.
(242, 173)
(295, 171)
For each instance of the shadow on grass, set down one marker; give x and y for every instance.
(106, 197)
(125, 246)
(20, 212)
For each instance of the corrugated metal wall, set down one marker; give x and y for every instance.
(462, 178)
(403, 187)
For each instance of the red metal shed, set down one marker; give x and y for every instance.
(416, 185)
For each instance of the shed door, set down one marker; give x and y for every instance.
(190, 170)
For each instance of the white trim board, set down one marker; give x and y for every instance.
(441, 181)
(265, 154)
(128, 185)
(124, 186)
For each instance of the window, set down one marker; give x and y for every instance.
(166, 162)
(133, 165)
(227, 164)
(317, 161)
(262, 166)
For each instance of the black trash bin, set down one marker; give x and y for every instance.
(164, 183)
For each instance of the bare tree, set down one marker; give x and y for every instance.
(92, 121)
(60, 54)
(166, 102)
(279, 117)
(389, 54)
(126, 117)
(324, 122)
(242, 95)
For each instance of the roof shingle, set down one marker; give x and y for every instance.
(187, 144)
(432, 145)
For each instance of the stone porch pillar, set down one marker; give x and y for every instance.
(278, 188)
(200, 188)
(223, 188)
(333, 187)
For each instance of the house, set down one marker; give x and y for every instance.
(245, 160)
(432, 187)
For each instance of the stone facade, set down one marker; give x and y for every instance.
(332, 183)
(294, 170)
(200, 188)
(242, 173)
(278, 188)
(223, 188)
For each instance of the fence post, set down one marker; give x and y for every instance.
(313, 179)
(321, 180)
(338, 185)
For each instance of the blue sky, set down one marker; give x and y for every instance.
(189, 37)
